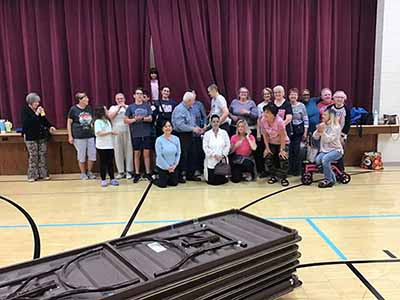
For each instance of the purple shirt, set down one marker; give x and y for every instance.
(236, 106)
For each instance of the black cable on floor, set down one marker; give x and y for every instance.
(290, 188)
(32, 224)
(136, 211)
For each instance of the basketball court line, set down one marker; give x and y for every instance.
(105, 223)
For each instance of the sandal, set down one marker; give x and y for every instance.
(272, 180)
(284, 182)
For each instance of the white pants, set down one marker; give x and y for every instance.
(123, 151)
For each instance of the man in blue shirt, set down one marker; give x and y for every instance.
(184, 125)
(139, 117)
(200, 119)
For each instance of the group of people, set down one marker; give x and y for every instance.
(252, 139)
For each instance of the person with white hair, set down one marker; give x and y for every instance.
(342, 112)
(36, 129)
(122, 142)
(343, 115)
(184, 124)
(284, 108)
(325, 100)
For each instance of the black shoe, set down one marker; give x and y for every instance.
(193, 178)
(264, 175)
(325, 184)
(149, 177)
(136, 178)
(181, 179)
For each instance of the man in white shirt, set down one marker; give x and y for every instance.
(219, 106)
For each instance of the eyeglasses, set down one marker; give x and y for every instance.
(306, 95)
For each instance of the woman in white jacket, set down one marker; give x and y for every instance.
(331, 149)
(216, 146)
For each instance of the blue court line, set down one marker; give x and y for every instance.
(326, 239)
(393, 216)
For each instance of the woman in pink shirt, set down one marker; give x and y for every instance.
(243, 144)
(276, 144)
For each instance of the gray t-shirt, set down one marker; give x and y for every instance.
(139, 128)
(82, 122)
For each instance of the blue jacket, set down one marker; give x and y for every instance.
(313, 113)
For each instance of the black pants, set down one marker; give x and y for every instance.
(197, 154)
(238, 169)
(294, 154)
(166, 178)
(259, 156)
(185, 163)
(216, 179)
(106, 163)
(276, 165)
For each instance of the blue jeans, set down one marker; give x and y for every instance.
(326, 159)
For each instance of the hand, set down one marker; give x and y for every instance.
(172, 169)
(258, 137)
(238, 143)
(114, 132)
(138, 118)
(197, 130)
(244, 111)
(283, 154)
(234, 118)
(71, 140)
(53, 129)
(218, 157)
(39, 111)
(267, 152)
(321, 127)
(304, 138)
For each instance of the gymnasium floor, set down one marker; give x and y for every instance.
(354, 221)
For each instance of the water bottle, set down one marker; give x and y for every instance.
(2, 126)
(376, 117)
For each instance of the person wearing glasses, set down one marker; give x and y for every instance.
(312, 110)
(243, 108)
(122, 142)
(300, 132)
(258, 155)
(284, 108)
(81, 134)
(139, 117)
(184, 125)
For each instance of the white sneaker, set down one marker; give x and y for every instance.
(128, 175)
(84, 176)
(90, 175)
(120, 176)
